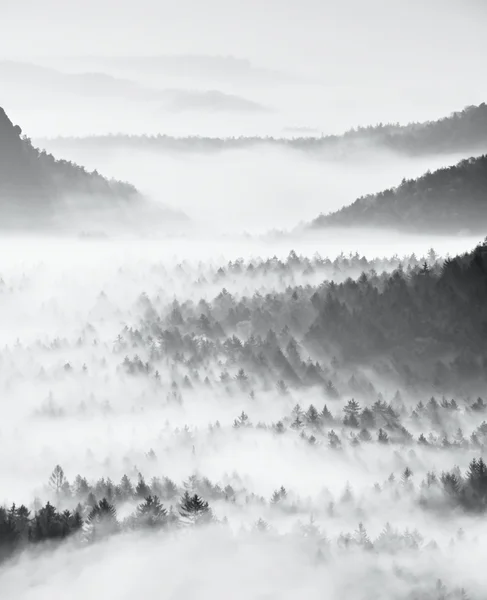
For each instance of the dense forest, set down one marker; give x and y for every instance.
(373, 368)
(87, 512)
(463, 131)
(449, 200)
(33, 179)
(417, 326)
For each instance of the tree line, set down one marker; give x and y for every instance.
(92, 520)
(461, 131)
(34, 175)
(418, 329)
(448, 200)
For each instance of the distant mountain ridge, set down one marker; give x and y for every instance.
(190, 66)
(449, 200)
(44, 81)
(464, 131)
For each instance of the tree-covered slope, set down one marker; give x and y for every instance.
(464, 131)
(34, 177)
(448, 200)
(461, 131)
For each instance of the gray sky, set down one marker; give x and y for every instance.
(351, 37)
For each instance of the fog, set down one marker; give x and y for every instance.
(326, 29)
(155, 564)
(67, 302)
(222, 107)
(202, 395)
(324, 65)
(254, 190)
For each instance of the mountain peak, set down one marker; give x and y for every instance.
(7, 128)
(33, 178)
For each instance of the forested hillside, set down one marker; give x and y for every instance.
(448, 200)
(463, 131)
(33, 178)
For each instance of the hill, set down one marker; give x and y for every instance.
(34, 184)
(464, 131)
(448, 200)
(26, 82)
(426, 324)
(27, 171)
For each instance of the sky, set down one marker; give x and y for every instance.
(377, 38)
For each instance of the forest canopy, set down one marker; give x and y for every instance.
(34, 178)
(449, 200)
(462, 131)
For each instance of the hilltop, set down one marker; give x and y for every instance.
(25, 169)
(464, 131)
(449, 200)
(33, 183)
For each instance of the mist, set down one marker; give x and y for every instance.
(211, 385)
(70, 313)
(252, 190)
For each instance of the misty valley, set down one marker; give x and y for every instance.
(243, 322)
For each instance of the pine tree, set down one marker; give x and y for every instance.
(362, 539)
(241, 421)
(367, 419)
(151, 514)
(297, 423)
(126, 488)
(333, 440)
(57, 480)
(22, 520)
(276, 497)
(194, 510)
(326, 415)
(81, 489)
(142, 490)
(170, 489)
(312, 416)
(330, 390)
(351, 410)
(451, 485)
(241, 378)
(261, 526)
(48, 524)
(476, 481)
(102, 520)
(9, 535)
(406, 476)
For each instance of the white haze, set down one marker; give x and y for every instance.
(319, 66)
(253, 190)
(322, 64)
(253, 567)
(52, 314)
(50, 299)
